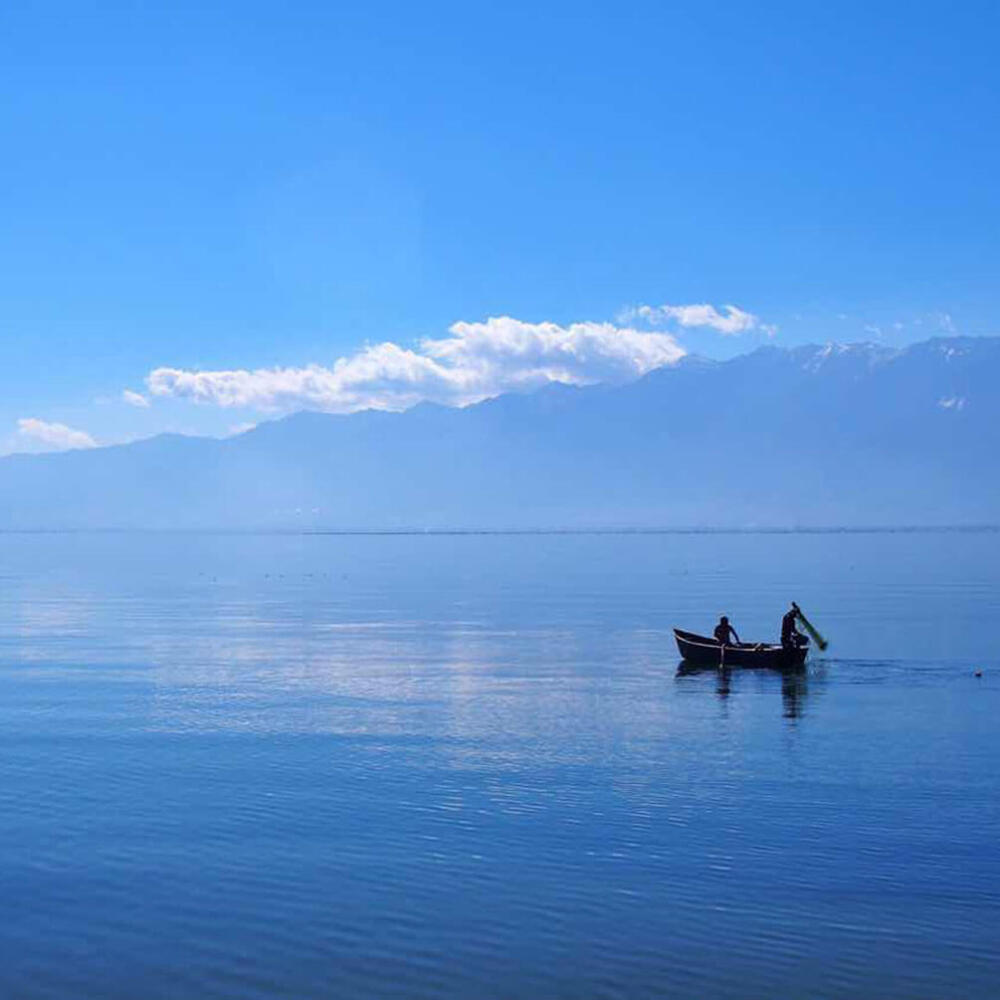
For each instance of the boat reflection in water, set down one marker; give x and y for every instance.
(794, 683)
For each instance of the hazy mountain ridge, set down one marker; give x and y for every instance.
(821, 435)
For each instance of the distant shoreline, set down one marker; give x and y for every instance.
(452, 532)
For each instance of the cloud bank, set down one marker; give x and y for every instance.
(55, 437)
(477, 361)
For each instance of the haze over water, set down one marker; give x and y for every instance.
(265, 766)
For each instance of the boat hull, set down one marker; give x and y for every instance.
(702, 651)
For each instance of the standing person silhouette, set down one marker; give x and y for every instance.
(791, 637)
(723, 631)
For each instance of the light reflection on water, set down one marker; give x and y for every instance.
(469, 766)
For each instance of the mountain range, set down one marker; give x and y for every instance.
(835, 435)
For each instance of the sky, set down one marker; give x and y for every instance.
(216, 213)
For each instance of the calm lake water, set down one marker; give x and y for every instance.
(465, 766)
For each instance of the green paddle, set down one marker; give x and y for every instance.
(808, 625)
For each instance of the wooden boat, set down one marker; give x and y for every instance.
(703, 651)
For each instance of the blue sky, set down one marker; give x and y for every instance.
(233, 187)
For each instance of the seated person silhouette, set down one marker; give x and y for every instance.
(725, 633)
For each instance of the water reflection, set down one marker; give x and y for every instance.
(794, 688)
(794, 683)
(334, 750)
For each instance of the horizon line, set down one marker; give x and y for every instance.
(414, 531)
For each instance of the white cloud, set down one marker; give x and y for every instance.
(477, 361)
(730, 321)
(237, 429)
(134, 398)
(946, 323)
(54, 437)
